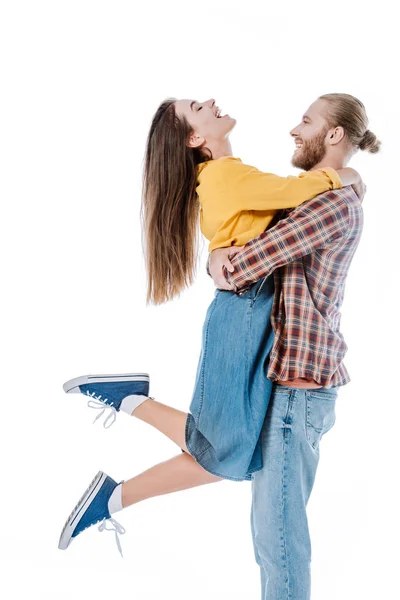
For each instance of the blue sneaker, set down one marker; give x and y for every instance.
(108, 391)
(92, 508)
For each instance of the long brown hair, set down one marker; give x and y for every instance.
(170, 208)
(349, 112)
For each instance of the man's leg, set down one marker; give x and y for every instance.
(295, 422)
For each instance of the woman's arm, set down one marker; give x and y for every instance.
(251, 189)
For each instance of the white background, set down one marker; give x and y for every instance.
(80, 82)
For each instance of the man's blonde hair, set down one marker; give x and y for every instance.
(348, 112)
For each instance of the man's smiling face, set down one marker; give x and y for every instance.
(311, 136)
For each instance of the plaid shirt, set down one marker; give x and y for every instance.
(309, 252)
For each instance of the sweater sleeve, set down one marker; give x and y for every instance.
(252, 189)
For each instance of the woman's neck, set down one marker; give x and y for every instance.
(220, 148)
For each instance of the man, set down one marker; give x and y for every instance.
(309, 253)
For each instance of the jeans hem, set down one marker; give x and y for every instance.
(198, 458)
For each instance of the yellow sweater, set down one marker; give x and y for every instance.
(238, 202)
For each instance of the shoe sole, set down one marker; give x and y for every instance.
(80, 509)
(72, 386)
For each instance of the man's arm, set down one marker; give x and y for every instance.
(310, 227)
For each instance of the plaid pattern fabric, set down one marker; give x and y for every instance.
(309, 252)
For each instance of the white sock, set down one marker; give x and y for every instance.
(115, 501)
(129, 403)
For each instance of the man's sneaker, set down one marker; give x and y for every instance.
(108, 391)
(92, 508)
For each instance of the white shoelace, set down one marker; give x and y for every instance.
(96, 403)
(118, 530)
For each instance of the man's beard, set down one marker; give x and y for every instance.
(311, 152)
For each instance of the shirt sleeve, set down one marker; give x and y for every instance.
(312, 226)
(252, 189)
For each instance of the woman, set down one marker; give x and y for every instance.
(190, 173)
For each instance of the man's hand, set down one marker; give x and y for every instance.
(220, 258)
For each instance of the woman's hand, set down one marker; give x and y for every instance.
(220, 258)
(360, 189)
(352, 177)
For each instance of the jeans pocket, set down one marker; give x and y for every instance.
(279, 416)
(320, 416)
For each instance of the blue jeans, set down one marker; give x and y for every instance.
(295, 422)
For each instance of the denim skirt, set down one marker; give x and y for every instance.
(232, 391)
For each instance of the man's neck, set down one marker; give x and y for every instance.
(333, 163)
(334, 159)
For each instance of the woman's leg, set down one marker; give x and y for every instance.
(178, 473)
(105, 497)
(170, 421)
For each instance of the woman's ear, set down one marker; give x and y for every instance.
(196, 141)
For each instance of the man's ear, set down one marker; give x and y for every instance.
(335, 136)
(196, 141)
